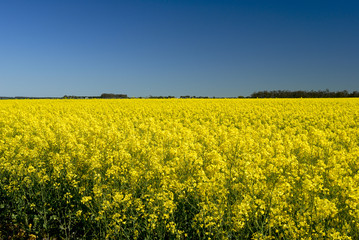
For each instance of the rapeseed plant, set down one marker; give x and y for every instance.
(179, 169)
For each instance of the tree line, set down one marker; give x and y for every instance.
(304, 94)
(103, 95)
(260, 94)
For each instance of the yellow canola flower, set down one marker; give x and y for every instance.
(181, 168)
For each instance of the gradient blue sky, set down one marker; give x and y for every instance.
(205, 48)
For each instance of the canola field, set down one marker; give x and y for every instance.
(179, 169)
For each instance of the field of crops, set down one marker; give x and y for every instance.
(179, 169)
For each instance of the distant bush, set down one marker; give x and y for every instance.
(161, 97)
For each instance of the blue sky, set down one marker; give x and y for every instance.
(204, 48)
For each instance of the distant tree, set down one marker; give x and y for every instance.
(111, 95)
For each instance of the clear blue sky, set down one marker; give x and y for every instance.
(204, 48)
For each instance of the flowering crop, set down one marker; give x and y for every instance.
(179, 169)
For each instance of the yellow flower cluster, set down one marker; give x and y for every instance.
(180, 169)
